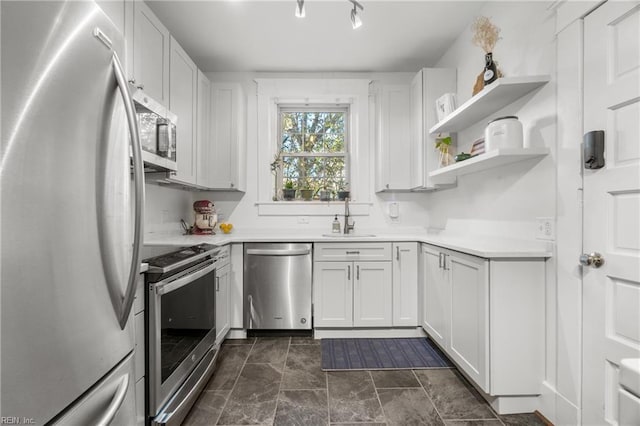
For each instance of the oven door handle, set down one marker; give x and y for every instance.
(168, 287)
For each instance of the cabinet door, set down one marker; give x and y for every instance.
(394, 127)
(416, 134)
(436, 296)
(405, 285)
(204, 145)
(151, 41)
(226, 135)
(469, 342)
(223, 281)
(183, 102)
(333, 294)
(372, 294)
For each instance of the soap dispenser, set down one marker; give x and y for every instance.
(335, 227)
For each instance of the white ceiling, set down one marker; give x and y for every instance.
(243, 35)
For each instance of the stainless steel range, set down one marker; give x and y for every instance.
(181, 332)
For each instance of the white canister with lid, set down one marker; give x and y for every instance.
(503, 132)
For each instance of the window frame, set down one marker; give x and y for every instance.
(318, 108)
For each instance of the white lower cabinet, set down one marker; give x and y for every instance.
(436, 297)
(405, 285)
(485, 314)
(349, 292)
(223, 281)
(333, 294)
(139, 350)
(372, 293)
(468, 331)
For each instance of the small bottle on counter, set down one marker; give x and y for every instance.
(335, 227)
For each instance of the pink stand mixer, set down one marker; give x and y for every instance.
(206, 218)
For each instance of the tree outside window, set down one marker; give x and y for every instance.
(313, 150)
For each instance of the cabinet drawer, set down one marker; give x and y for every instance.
(351, 251)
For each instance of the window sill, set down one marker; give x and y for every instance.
(311, 208)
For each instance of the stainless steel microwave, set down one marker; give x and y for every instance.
(157, 129)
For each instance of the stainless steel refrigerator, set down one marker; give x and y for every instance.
(71, 208)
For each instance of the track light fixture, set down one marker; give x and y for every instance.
(356, 22)
(300, 12)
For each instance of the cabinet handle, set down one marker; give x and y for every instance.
(231, 184)
(353, 252)
(217, 283)
(439, 260)
(358, 272)
(348, 272)
(398, 254)
(444, 263)
(387, 186)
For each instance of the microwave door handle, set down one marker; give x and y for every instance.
(164, 287)
(116, 402)
(138, 178)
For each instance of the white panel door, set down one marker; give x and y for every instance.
(183, 103)
(405, 285)
(150, 53)
(437, 296)
(469, 315)
(611, 293)
(372, 293)
(333, 294)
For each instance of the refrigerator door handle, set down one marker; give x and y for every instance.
(138, 177)
(116, 402)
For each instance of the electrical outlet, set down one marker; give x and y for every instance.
(545, 228)
(303, 220)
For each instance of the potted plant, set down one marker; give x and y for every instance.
(325, 193)
(343, 190)
(288, 192)
(443, 144)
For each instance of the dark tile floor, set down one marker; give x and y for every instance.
(278, 381)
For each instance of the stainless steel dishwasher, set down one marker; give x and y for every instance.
(277, 286)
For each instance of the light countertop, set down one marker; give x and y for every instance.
(477, 245)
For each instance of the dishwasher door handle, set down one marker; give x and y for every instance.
(274, 252)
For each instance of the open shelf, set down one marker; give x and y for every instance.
(488, 160)
(492, 98)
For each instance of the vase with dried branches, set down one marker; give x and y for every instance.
(486, 35)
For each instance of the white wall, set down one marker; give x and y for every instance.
(505, 202)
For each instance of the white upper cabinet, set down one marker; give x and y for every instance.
(227, 137)
(183, 102)
(204, 142)
(151, 45)
(427, 86)
(393, 140)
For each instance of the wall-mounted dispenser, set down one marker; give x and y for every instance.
(593, 149)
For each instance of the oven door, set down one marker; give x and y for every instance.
(181, 329)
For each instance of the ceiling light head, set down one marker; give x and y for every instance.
(300, 12)
(356, 22)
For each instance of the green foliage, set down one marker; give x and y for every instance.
(443, 144)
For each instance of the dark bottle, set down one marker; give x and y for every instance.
(490, 71)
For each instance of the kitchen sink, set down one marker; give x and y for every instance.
(348, 235)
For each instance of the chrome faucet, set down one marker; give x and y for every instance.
(348, 227)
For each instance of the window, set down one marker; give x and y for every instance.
(313, 151)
